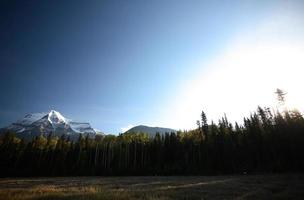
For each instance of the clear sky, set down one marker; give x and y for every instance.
(117, 64)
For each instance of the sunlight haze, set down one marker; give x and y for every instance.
(246, 74)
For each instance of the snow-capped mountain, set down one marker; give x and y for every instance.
(53, 123)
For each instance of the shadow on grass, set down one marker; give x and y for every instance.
(98, 196)
(172, 195)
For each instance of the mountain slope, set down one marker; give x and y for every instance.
(150, 130)
(53, 123)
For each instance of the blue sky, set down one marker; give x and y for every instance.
(122, 63)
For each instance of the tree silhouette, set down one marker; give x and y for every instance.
(280, 96)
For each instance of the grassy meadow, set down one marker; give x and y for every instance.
(287, 186)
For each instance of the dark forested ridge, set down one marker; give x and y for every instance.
(151, 131)
(265, 142)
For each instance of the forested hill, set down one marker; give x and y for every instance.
(151, 131)
(266, 142)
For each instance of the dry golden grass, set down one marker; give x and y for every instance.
(287, 186)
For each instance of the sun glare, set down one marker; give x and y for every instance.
(245, 76)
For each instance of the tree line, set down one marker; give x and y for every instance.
(266, 142)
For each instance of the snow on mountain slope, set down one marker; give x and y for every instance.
(30, 118)
(81, 127)
(98, 132)
(55, 118)
(49, 123)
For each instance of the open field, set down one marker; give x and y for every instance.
(286, 186)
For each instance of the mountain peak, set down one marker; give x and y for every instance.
(54, 122)
(56, 117)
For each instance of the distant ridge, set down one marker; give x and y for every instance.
(150, 130)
